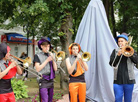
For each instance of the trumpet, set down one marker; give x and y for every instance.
(60, 56)
(26, 63)
(86, 56)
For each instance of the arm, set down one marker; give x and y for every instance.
(3, 73)
(37, 63)
(112, 58)
(54, 66)
(39, 66)
(134, 58)
(69, 67)
(85, 66)
(54, 63)
(19, 70)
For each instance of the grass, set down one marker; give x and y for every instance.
(33, 89)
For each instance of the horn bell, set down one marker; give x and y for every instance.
(60, 56)
(86, 56)
(127, 51)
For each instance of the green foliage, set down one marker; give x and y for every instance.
(125, 12)
(41, 17)
(57, 96)
(127, 21)
(34, 99)
(19, 88)
(45, 17)
(28, 14)
(71, 30)
(61, 34)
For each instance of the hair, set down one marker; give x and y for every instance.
(45, 43)
(75, 44)
(22, 54)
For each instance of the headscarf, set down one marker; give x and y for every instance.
(70, 47)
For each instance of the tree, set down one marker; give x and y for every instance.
(53, 18)
(128, 19)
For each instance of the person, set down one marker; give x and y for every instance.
(124, 78)
(8, 69)
(25, 72)
(45, 65)
(76, 69)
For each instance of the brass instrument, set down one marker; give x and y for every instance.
(60, 56)
(26, 63)
(127, 51)
(86, 56)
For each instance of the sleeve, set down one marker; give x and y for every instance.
(36, 59)
(134, 58)
(114, 60)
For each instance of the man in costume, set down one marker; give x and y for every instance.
(124, 78)
(8, 69)
(76, 68)
(45, 65)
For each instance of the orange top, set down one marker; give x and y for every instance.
(79, 71)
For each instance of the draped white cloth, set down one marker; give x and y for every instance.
(94, 36)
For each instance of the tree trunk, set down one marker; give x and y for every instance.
(107, 6)
(65, 40)
(125, 19)
(113, 18)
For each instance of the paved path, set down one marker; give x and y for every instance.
(64, 99)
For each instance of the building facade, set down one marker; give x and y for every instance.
(18, 44)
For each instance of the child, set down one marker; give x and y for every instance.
(8, 69)
(44, 64)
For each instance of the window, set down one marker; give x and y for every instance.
(16, 51)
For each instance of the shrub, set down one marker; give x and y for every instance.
(19, 88)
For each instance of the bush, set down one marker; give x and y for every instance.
(57, 96)
(19, 88)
